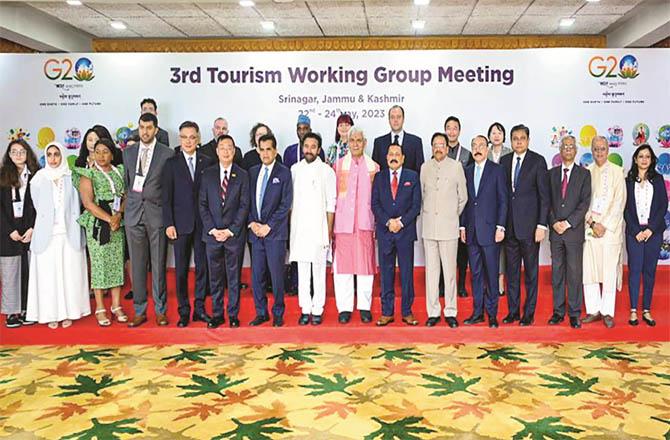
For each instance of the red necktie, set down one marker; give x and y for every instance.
(394, 184)
(224, 186)
(564, 183)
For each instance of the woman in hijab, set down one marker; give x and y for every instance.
(58, 283)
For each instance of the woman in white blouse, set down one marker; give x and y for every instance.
(646, 205)
(58, 284)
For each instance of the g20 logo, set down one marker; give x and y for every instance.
(65, 69)
(611, 67)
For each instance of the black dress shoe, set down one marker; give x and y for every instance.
(462, 292)
(575, 322)
(183, 322)
(501, 293)
(526, 321)
(556, 319)
(277, 321)
(201, 316)
(432, 322)
(258, 320)
(344, 317)
(366, 316)
(510, 318)
(304, 319)
(317, 319)
(128, 295)
(649, 321)
(493, 323)
(451, 321)
(215, 322)
(13, 321)
(474, 320)
(234, 322)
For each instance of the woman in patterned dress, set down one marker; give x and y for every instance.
(102, 191)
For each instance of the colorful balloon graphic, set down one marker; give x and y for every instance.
(558, 133)
(72, 139)
(664, 136)
(586, 135)
(640, 134)
(71, 159)
(556, 160)
(616, 159)
(45, 135)
(586, 159)
(615, 136)
(663, 164)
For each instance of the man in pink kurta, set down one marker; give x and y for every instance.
(353, 229)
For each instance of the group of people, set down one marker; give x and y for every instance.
(489, 207)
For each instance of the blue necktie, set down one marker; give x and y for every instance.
(516, 172)
(478, 178)
(264, 185)
(191, 169)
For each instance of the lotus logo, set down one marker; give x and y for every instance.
(628, 67)
(83, 70)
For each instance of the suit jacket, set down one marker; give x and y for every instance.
(42, 194)
(487, 210)
(407, 204)
(276, 204)
(180, 193)
(464, 156)
(659, 206)
(229, 215)
(9, 224)
(290, 156)
(412, 148)
(528, 204)
(573, 207)
(444, 197)
(162, 136)
(150, 200)
(209, 150)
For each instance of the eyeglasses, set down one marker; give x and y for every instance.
(568, 147)
(18, 153)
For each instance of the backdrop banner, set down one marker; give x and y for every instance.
(622, 94)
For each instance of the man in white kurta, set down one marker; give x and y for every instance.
(603, 248)
(312, 226)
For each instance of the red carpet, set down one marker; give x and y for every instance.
(86, 331)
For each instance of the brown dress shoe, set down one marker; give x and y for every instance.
(384, 320)
(592, 318)
(161, 319)
(410, 320)
(609, 321)
(137, 321)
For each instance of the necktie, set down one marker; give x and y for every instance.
(516, 172)
(478, 177)
(564, 183)
(395, 139)
(394, 184)
(143, 161)
(224, 186)
(191, 168)
(264, 185)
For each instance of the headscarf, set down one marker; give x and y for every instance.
(51, 173)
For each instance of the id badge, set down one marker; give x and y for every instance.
(598, 206)
(116, 205)
(18, 209)
(138, 183)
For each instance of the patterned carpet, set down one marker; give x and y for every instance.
(475, 391)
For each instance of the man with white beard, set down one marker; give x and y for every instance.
(312, 217)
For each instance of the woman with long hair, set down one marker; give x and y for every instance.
(646, 205)
(58, 283)
(17, 217)
(341, 146)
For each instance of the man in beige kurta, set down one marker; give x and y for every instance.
(444, 196)
(603, 247)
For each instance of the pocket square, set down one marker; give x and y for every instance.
(408, 184)
(275, 180)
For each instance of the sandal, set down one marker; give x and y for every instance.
(119, 313)
(53, 325)
(66, 323)
(102, 322)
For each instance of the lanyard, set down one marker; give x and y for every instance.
(109, 179)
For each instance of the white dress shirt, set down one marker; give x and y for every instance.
(259, 182)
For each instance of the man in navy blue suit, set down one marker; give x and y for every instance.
(412, 146)
(271, 192)
(224, 207)
(396, 203)
(482, 229)
(181, 183)
(528, 207)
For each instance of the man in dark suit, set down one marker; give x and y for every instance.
(570, 190)
(271, 192)
(145, 230)
(452, 128)
(181, 183)
(528, 205)
(224, 208)
(148, 105)
(396, 203)
(412, 146)
(219, 128)
(482, 229)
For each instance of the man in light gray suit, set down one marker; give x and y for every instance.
(143, 163)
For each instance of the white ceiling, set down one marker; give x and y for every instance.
(327, 18)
